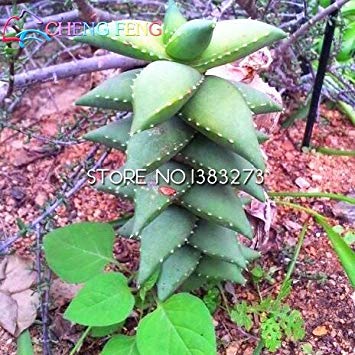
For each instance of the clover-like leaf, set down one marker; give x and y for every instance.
(79, 251)
(186, 324)
(160, 91)
(104, 300)
(240, 315)
(271, 334)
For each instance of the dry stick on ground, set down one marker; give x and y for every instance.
(12, 2)
(249, 7)
(304, 28)
(44, 296)
(66, 70)
(87, 12)
(81, 180)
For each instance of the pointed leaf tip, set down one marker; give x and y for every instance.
(190, 40)
(160, 91)
(173, 19)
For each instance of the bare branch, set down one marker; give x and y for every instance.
(12, 2)
(304, 28)
(66, 70)
(87, 12)
(249, 7)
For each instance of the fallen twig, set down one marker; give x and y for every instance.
(66, 70)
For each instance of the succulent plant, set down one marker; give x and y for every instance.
(186, 121)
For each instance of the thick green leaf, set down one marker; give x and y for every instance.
(257, 101)
(149, 284)
(193, 283)
(109, 185)
(127, 229)
(173, 19)
(155, 146)
(162, 237)
(131, 38)
(262, 137)
(215, 268)
(217, 241)
(345, 254)
(248, 253)
(176, 269)
(219, 112)
(180, 325)
(218, 204)
(202, 153)
(121, 345)
(160, 91)
(235, 39)
(151, 200)
(113, 135)
(79, 251)
(105, 300)
(114, 93)
(99, 332)
(190, 40)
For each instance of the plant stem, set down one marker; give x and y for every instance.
(333, 196)
(224, 298)
(301, 208)
(120, 266)
(330, 151)
(259, 348)
(80, 341)
(296, 254)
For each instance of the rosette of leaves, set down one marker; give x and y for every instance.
(183, 119)
(186, 122)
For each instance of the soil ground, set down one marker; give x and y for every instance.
(31, 174)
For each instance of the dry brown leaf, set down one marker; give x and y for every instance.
(320, 331)
(19, 275)
(233, 348)
(3, 263)
(263, 211)
(27, 304)
(61, 293)
(17, 299)
(8, 314)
